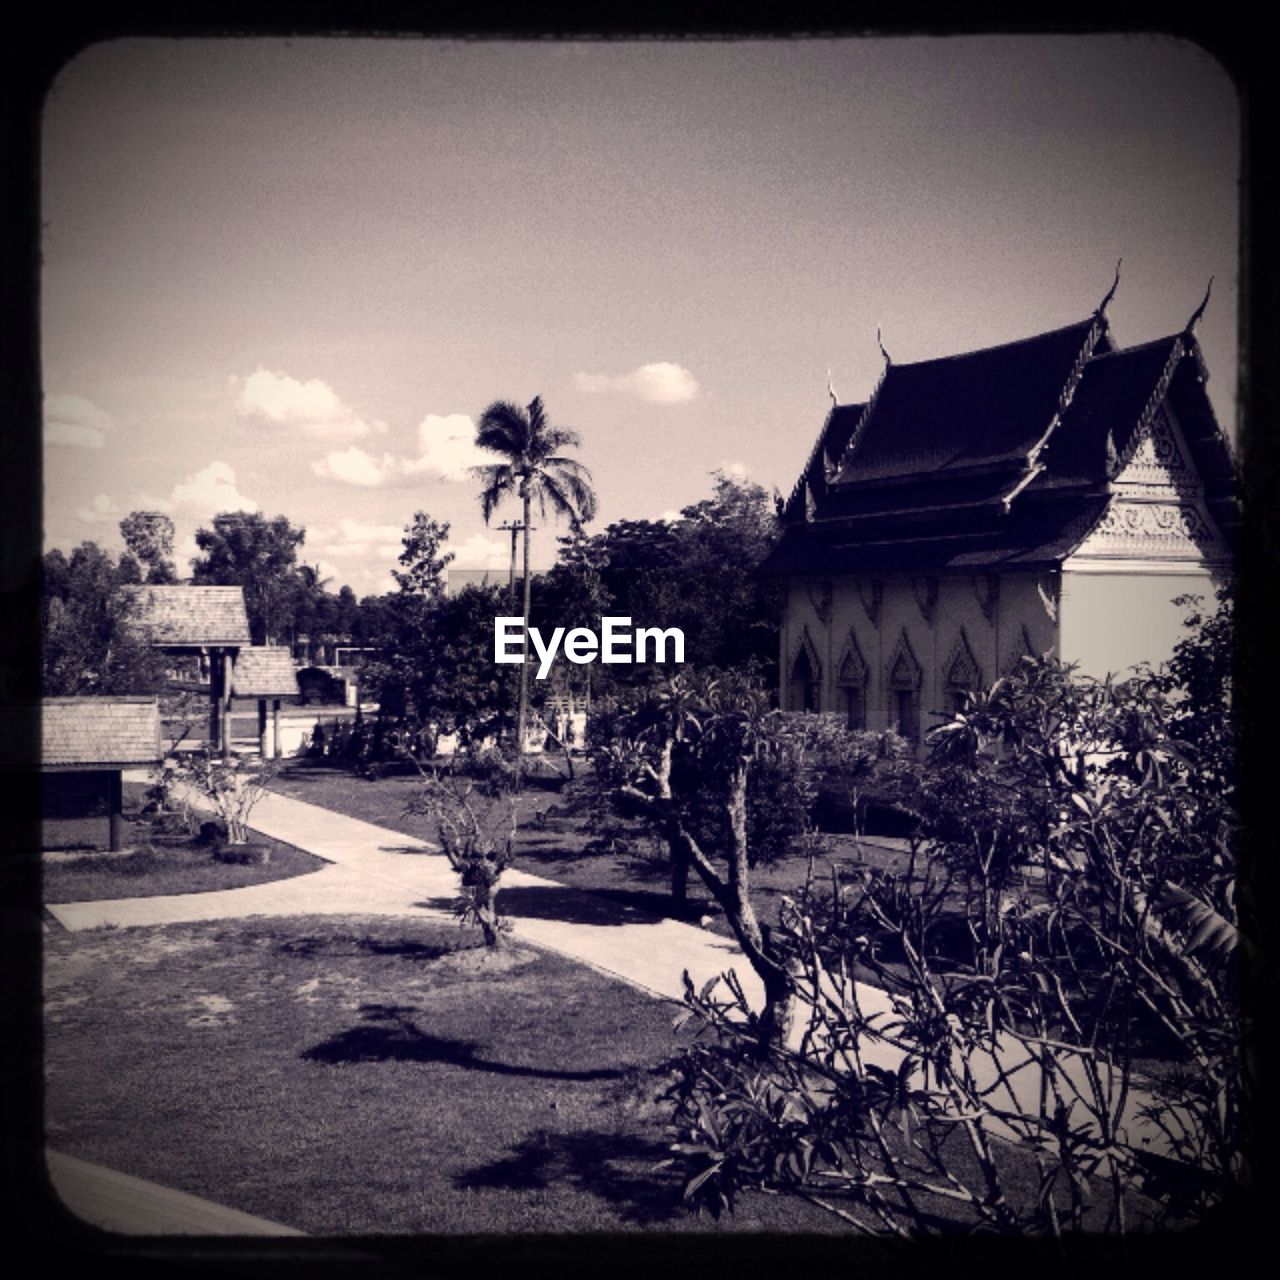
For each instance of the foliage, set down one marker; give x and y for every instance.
(423, 559)
(1068, 915)
(149, 537)
(475, 822)
(89, 643)
(234, 788)
(725, 781)
(533, 469)
(248, 550)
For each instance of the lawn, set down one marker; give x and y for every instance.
(365, 1076)
(556, 844)
(155, 862)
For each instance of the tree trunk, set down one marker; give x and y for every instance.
(679, 879)
(522, 714)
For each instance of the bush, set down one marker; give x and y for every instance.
(1068, 914)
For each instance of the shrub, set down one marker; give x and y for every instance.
(1065, 827)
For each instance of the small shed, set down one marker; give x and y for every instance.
(210, 621)
(85, 743)
(266, 672)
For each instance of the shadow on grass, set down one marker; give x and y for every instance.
(592, 906)
(388, 1034)
(592, 1164)
(577, 906)
(352, 946)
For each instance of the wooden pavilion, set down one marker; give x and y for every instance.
(266, 672)
(207, 621)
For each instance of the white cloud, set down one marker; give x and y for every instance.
(313, 407)
(737, 470)
(353, 539)
(353, 465)
(75, 421)
(480, 552)
(208, 492)
(660, 383)
(103, 511)
(670, 516)
(446, 448)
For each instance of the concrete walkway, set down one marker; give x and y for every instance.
(377, 871)
(132, 1206)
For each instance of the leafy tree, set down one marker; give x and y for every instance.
(246, 549)
(532, 469)
(1069, 911)
(723, 780)
(149, 537)
(89, 643)
(424, 559)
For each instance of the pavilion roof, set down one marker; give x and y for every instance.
(84, 733)
(186, 616)
(264, 671)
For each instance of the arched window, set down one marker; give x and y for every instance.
(961, 676)
(806, 679)
(852, 679)
(902, 680)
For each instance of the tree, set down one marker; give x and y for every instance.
(1068, 912)
(424, 559)
(89, 643)
(533, 469)
(149, 537)
(246, 549)
(707, 764)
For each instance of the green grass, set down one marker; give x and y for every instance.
(151, 865)
(554, 844)
(364, 1076)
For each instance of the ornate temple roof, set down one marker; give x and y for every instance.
(1003, 457)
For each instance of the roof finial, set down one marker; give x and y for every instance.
(831, 391)
(1111, 293)
(888, 360)
(1199, 311)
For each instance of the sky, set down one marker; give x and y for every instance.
(287, 275)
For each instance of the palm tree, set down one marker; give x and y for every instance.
(533, 469)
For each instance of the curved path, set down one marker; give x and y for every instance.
(376, 871)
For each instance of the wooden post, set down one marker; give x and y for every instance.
(263, 749)
(224, 704)
(215, 698)
(275, 729)
(115, 810)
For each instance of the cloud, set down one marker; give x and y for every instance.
(354, 539)
(446, 448)
(312, 407)
(479, 552)
(661, 383)
(354, 466)
(737, 470)
(75, 421)
(207, 492)
(103, 511)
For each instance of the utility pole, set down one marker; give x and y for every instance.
(514, 526)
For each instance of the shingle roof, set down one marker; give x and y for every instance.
(96, 733)
(264, 672)
(959, 464)
(186, 616)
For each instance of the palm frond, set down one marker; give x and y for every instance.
(498, 480)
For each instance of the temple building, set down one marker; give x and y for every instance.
(1054, 494)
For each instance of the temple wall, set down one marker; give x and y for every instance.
(1110, 621)
(935, 617)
